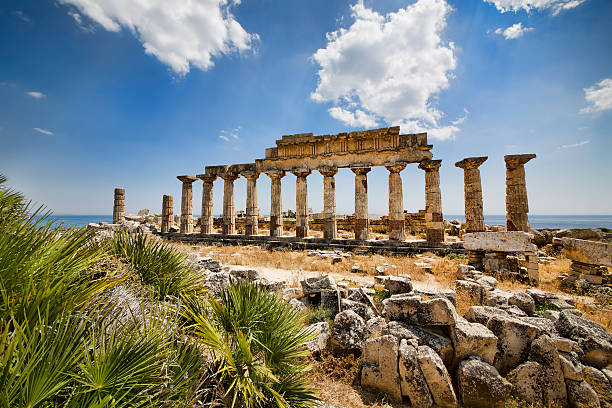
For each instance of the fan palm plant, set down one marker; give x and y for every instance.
(258, 343)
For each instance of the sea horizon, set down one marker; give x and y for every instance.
(537, 221)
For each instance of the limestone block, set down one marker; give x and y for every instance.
(435, 293)
(524, 379)
(550, 379)
(380, 368)
(317, 284)
(480, 384)
(482, 314)
(507, 241)
(374, 327)
(514, 339)
(398, 284)
(589, 252)
(322, 333)
(581, 395)
(412, 309)
(523, 301)
(348, 331)
(571, 367)
(424, 337)
(592, 338)
(412, 381)
(437, 377)
(473, 339)
(600, 384)
(360, 308)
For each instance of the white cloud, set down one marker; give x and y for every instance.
(599, 96)
(22, 16)
(44, 131)
(230, 135)
(181, 34)
(570, 146)
(36, 94)
(514, 31)
(555, 6)
(387, 67)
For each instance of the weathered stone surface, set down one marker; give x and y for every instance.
(600, 384)
(581, 395)
(348, 331)
(317, 284)
(322, 333)
(398, 284)
(412, 380)
(524, 378)
(592, 338)
(297, 304)
(497, 298)
(473, 339)
(544, 325)
(216, 282)
(589, 252)
(359, 308)
(380, 367)
(488, 282)
(437, 377)
(440, 344)
(571, 366)
(523, 301)
(514, 338)
(480, 384)
(482, 314)
(550, 378)
(330, 300)
(431, 293)
(413, 310)
(470, 291)
(374, 327)
(509, 241)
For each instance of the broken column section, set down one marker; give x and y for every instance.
(119, 206)
(167, 213)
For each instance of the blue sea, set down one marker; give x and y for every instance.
(537, 221)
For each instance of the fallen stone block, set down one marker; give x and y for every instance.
(523, 301)
(374, 327)
(600, 384)
(322, 333)
(424, 337)
(470, 291)
(348, 331)
(437, 377)
(473, 339)
(514, 339)
(589, 252)
(398, 284)
(571, 366)
(412, 381)
(480, 384)
(412, 309)
(317, 284)
(380, 366)
(448, 294)
(592, 338)
(482, 314)
(581, 395)
(508, 241)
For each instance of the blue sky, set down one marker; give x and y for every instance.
(97, 94)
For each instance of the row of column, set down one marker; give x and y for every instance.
(433, 203)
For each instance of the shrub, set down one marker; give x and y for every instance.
(158, 264)
(258, 344)
(318, 314)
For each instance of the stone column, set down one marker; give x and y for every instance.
(474, 215)
(396, 201)
(252, 211)
(516, 192)
(329, 201)
(362, 220)
(229, 209)
(119, 206)
(207, 220)
(301, 202)
(187, 204)
(276, 203)
(167, 213)
(434, 222)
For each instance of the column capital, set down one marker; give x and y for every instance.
(250, 174)
(430, 165)
(207, 178)
(360, 169)
(301, 172)
(471, 162)
(328, 171)
(229, 175)
(276, 173)
(187, 179)
(395, 167)
(516, 160)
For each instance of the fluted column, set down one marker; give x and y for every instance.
(167, 213)
(362, 219)
(396, 201)
(207, 220)
(187, 204)
(517, 206)
(329, 201)
(252, 211)
(276, 203)
(301, 202)
(434, 222)
(229, 209)
(119, 206)
(474, 214)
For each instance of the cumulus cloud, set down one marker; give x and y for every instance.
(182, 34)
(44, 131)
(387, 68)
(36, 94)
(514, 31)
(570, 146)
(555, 6)
(598, 96)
